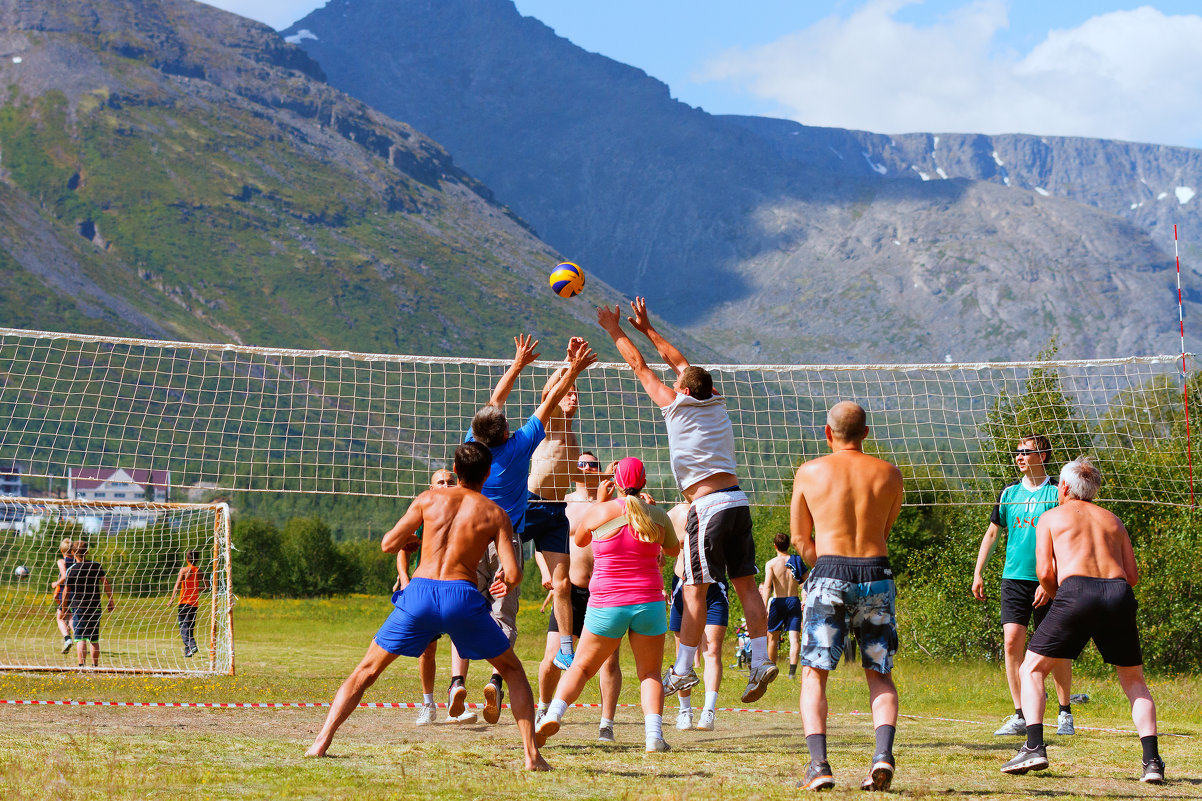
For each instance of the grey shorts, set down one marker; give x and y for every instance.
(504, 610)
(846, 594)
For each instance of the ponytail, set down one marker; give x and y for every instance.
(641, 524)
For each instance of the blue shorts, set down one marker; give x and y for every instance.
(546, 524)
(428, 607)
(614, 621)
(847, 590)
(717, 605)
(784, 614)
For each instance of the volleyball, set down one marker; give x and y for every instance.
(22, 571)
(567, 280)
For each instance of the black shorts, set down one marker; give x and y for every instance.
(85, 624)
(1017, 597)
(546, 524)
(717, 605)
(579, 607)
(718, 540)
(1088, 608)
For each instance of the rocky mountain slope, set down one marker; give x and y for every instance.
(781, 242)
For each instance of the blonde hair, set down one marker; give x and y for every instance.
(65, 546)
(641, 524)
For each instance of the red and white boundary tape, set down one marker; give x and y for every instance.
(411, 705)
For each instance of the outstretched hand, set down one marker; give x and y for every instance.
(582, 358)
(610, 319)
(641, 319)
(525, 355)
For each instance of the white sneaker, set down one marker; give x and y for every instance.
(658, 746)
(427, 714)
(707, 720)
(1064, 723)
(675, 682)
(468, 716)
(684, 719)
(1012, 726)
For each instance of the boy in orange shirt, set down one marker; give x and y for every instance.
(188, 585)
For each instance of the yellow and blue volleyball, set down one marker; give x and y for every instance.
(567, 280)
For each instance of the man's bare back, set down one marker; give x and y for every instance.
(1086, 540)
(457, 526)
(850, 500)
(779, 578)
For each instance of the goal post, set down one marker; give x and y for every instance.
(141, 546)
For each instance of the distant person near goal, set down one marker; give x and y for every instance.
(718, 535)
(1017, 511)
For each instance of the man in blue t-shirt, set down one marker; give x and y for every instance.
(506, 486)
(1018, 509)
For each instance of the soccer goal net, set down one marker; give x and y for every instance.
(165, 567)
(215, 419)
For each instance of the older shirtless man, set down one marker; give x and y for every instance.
(442, 597)
(1085, 564)
(843, 508)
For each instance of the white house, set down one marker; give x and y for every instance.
(118, 484)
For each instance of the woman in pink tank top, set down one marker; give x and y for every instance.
(626, 598)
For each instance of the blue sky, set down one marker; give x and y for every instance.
(1104, 68)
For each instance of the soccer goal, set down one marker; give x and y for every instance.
(141, 547)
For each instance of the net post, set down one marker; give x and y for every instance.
(1189, 455)
(224, 515)
(213, 592)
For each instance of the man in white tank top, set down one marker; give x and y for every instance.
(718, 536)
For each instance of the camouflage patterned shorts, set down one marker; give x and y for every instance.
(833, 607)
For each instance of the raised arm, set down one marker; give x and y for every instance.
(667, 351)
(580, 357)
(405, 531)
(525, 345)
(659, 392)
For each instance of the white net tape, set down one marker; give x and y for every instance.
(259, 419)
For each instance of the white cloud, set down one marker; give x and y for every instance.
(1125, 75)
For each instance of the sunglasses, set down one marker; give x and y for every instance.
(585, 464)
(1026, 451)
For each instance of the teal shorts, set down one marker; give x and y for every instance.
(648, 619)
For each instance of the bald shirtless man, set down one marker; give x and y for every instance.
(843, 508)
(442, 597)
(1085, 564)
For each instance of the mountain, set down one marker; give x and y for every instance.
(780, 241)
(174, 171)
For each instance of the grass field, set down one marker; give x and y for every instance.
(301, 650)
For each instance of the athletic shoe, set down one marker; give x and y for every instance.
(563, 661)
(707, 720)
(605, 734)
(658, 746)
(880, 776)
(1064, 723)
(684, 719)
(1027, 759)
(1013, 725)
(538, 715)
(675, 682)
(758, 679)
(187, 652)
(468, 716)
(1153, 771)
(493, 697)
(455, 699)
(1078, 698)
(67, 643)
(547, 727)
(427, 714)
(818, 777)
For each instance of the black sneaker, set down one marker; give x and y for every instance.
(880, 775)
(818, 777)
(1153, 771)
(1027, 759)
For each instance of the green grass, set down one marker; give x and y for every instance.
(301, 650)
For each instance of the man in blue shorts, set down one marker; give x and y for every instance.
(717, 619)
(1023, 602)
(782, 577)
(719, 542)
(844, 505)
(442, 597)
(506, 485)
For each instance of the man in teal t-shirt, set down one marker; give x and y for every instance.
(1017, 511)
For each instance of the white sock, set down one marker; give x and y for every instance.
(653, 727)
(556, 709)
(606, 723)
(759, 650)
(427, 698)
(686, 701)
(565, 643)
(685, 654)
(711, 699)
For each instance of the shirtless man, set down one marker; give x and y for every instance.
(553, 471)
(1085, 564)
(843, 508)
(718, 535)
(442, 598)
(549, 670)
(717, 619)
(779, 592)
